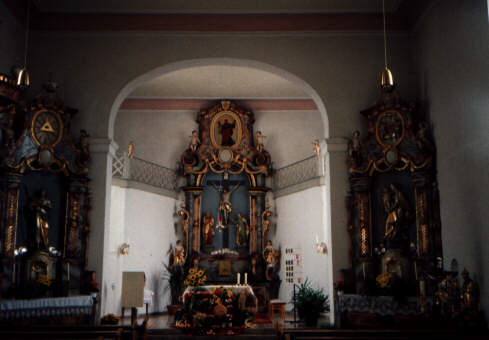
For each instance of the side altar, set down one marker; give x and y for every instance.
(225, 218)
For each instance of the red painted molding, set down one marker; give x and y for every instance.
(197, 104)
(304, 22)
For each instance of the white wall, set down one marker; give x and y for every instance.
(162, 136)
(145, 221)
(452, 55)
(12, 38)
(300, 217)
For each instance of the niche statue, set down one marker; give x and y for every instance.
(39, 207)
(396, 208)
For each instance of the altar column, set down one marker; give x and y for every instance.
(256, 208)
(193, 195)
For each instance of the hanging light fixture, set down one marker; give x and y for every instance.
(387, 80)
(23, 78)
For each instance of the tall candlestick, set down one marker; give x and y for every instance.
(246, 279)
(239, 278)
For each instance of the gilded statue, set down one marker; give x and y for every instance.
(225, 206)
(260, 141)
(194, 141)
(470, 295)
(40, 207)
(266, 224)
(242, 231)
(317, 147)
(354, 153)
(208, 229)
(271, 257)
(178, 254)
(395, 206)
(184, 220)
(130, 149)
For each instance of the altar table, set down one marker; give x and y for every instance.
(243, 292)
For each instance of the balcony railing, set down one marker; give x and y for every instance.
(298, 172)
(139, 170)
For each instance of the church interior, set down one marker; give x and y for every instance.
(246, 169)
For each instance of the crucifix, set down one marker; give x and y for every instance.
(224, 188)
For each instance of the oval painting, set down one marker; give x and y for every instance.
(226, 130)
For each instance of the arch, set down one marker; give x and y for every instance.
(133, 84)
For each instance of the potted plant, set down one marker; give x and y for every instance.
(310, 303)
(175, 275)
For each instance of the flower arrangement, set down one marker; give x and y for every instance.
(214, 311)
(44, 280)
(384, 280)
(110, 319)
(195, 278)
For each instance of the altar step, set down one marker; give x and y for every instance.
(373, 334)
(248, 334)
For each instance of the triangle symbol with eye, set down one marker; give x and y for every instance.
(47, 127)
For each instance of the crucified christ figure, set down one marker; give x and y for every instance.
(225, 206)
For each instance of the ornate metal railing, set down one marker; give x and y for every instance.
(298, 172)
(139, 170)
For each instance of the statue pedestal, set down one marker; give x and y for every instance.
(40, 263)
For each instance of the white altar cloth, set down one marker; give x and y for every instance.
(45, 307)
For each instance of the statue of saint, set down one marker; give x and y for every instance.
(225, 206)
(395, 206)
(194, 141)
(265, 224)
(208, 229)
(354, 157)
(242, 231)
(178, 254)
(40, 206)
(271, 256)
(470, 294)
(226, 129)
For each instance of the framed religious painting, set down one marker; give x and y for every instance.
(226, 130)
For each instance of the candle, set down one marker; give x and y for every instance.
(246, 279)
(68, 270)
(239, 278)
(363, 269)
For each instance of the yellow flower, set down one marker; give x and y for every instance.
(201, 272)
(230, 293)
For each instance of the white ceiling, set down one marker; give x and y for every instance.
(223, 81)
(216, 6)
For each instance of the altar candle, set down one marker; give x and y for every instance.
(363, 269)
(239, 278)
(68, 270)
(246, 279)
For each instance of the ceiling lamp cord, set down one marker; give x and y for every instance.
(23, 78)
(387, 80)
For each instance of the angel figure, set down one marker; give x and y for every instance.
(194, 141)
(260, 139)
(177, 254)
(130, 149)
(266, 224)
(317, 147)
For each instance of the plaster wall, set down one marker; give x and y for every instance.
(12, 38)
(300, 217)
(162, 136)
(149, 229)
(452, 56)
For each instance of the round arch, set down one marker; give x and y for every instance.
(133, 84)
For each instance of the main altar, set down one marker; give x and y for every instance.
(225, 213)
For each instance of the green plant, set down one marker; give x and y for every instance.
(175, 275)
(310, 302)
